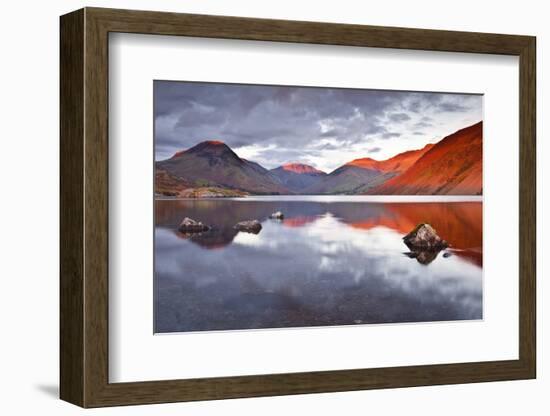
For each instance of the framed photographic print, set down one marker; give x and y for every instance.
(256, 207)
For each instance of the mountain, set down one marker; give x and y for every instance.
(213, 164)
(167, 185)
(344, 180)
(362, 175)
(453, 166)
(398, 164)
(298, 176)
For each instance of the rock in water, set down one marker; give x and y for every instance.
(424, 237)
(252, 226)
(422, 256)
(277, 215)
(189, 225)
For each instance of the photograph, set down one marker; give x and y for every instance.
(281, 206)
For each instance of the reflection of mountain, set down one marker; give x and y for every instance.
(453, 166)
(223, 216)
(299, 221)
(460, 223)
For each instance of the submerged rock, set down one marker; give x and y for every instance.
(252, 226)
(189, 225)
(422, 256)
(277, 215)
(424, 237)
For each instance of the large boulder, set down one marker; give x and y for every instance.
(252, 226)
(189, 225)
(424, 237)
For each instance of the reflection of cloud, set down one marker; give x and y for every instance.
(253, 240)
(325, 272)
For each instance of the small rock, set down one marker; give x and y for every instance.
(425, 237)
(189, 225)
(252, 226)
(277, 215)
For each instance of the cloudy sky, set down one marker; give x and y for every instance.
(323, 127)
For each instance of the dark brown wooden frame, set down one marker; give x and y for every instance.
(84, 208)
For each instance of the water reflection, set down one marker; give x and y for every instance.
(326, 263)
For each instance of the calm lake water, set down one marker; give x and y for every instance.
(331, 261)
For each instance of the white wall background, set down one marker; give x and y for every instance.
(29, 158)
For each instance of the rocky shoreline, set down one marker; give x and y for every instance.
(199, 193)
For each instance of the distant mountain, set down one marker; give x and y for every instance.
(362, 175)
(213, 164)
(453, 166)
(297, 176)
(344, 180)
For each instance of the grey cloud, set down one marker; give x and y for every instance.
(200, 118)
(413, 106)
(390, 135)
(334, 132)
(422, 125)
(452, 108)
(399, 117)
(374, 150)
(328, 146)
(285, 118)
(440, 102)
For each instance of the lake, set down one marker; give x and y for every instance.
(330, 261)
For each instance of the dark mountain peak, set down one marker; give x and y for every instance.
(212, 163)
(208, 148)
(300, 168)
(209, 145)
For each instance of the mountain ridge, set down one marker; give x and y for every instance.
(298, 176)
(364, 174)
(452, 166)
(214, 164)
(398, 163)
